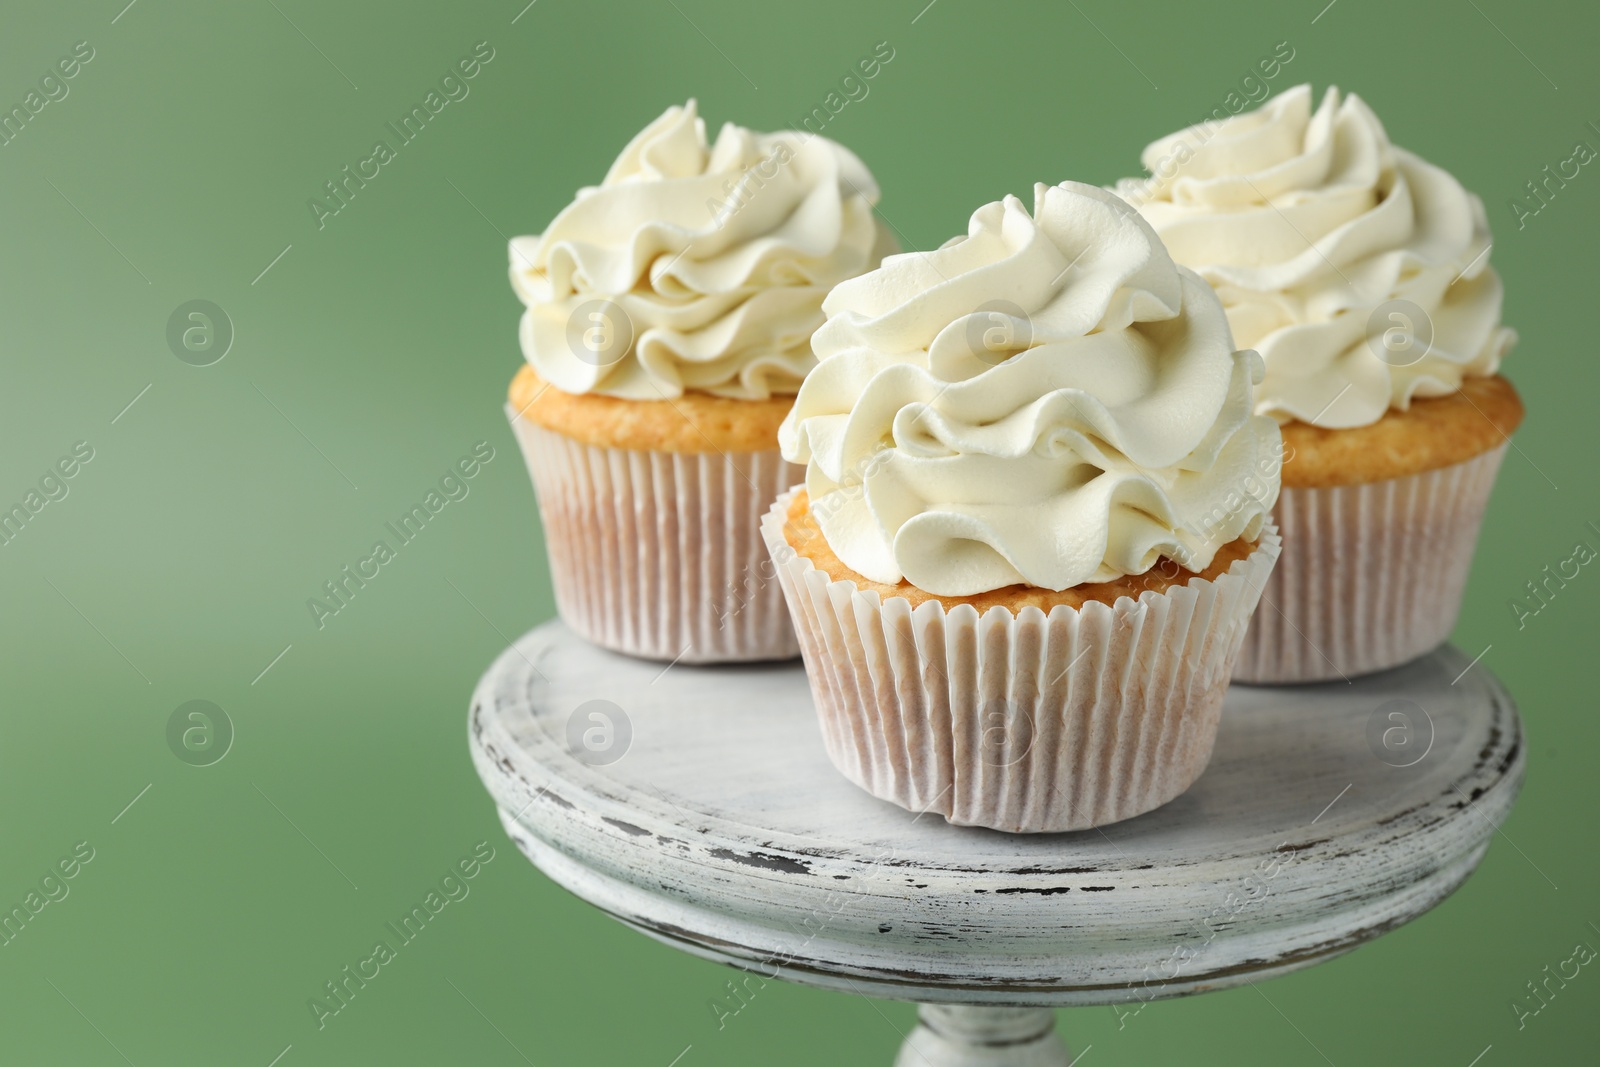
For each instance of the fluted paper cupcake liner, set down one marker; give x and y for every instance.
(1028, 721)
(1371, 575)
(659, 554)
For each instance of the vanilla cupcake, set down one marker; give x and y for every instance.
(668, 325)
(1361, 274)
(1034, 523)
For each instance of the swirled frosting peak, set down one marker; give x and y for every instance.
(1358, 270)
(695, 266)
(1048, 400)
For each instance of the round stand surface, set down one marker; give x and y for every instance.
(697, 805)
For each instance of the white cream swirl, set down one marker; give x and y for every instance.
(718, 257)
(1048, 400)
(1324, 242)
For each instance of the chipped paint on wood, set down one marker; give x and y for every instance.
(724, 831)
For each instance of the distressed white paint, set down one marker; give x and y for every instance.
(954, 1035)
(724, 831)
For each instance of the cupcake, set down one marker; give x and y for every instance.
(668, 319)
(1361, 274)
(1034, 522)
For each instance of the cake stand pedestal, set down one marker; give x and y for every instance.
(696, 804)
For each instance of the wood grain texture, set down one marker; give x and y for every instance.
(722, 829)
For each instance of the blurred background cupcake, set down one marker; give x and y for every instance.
(1034, 523)
(668, 325)
(1361, 274)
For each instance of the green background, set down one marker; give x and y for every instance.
(377, 350)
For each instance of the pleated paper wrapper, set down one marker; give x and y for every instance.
(659, 554)
(1027, 722)
(1371, 575)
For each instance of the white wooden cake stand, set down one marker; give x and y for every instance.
(696, 804)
